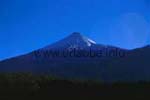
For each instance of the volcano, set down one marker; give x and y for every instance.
(66, 58)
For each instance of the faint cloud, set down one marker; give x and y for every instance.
(130, 30)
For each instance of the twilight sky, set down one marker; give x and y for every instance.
(26, 25)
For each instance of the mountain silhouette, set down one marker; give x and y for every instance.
(78, 57)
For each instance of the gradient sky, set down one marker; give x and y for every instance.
(26, 25)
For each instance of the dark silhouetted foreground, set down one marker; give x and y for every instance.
(27, 86)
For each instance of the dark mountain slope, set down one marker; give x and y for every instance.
(133, 67)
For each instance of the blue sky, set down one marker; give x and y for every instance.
(26, 25)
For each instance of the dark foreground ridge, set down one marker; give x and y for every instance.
(36, 87)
